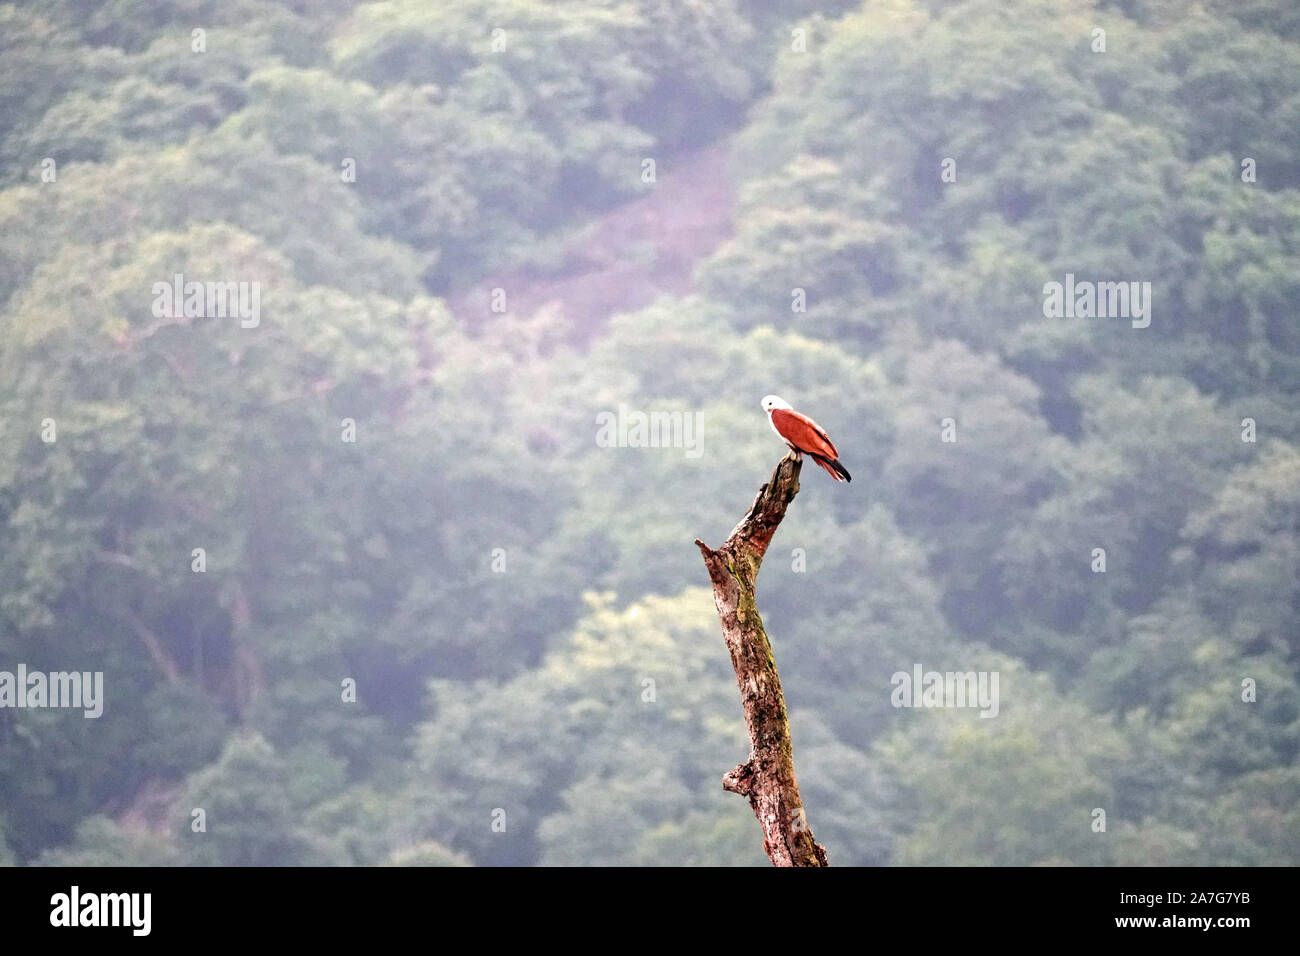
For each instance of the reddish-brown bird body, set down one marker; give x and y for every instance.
(804, 436)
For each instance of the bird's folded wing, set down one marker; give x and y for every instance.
(805, 433)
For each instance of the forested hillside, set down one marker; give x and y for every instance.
(475, 227)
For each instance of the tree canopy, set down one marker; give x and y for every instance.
(366, 586)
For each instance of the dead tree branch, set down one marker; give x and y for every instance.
(767, 777)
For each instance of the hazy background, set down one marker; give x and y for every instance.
(477, 225)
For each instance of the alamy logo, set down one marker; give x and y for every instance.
(922, 688)
(77, 689)
(102, 909)
(636, 429)
(210, 300)
(1098, 300)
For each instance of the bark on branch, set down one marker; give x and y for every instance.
(767, 777)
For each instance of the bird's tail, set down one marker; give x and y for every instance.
(833, 468)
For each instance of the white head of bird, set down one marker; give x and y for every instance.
(774, 401)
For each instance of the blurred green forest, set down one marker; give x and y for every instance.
(503, 589)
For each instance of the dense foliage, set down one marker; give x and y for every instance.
(538, 669)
